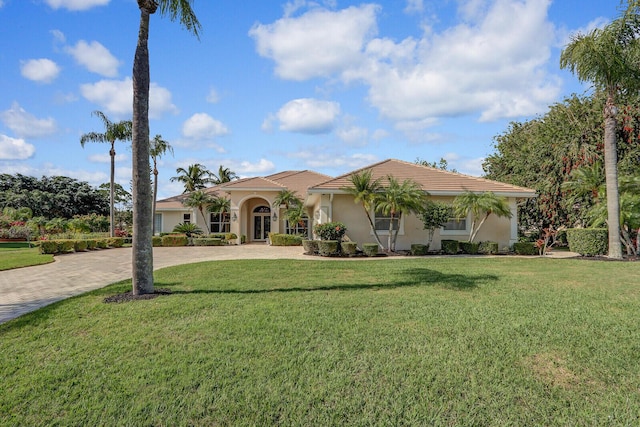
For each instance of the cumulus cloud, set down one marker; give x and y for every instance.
(324, 157)
(95, 57)
(106, 158)
(414, 6)
(204, 127)
(115, 96)
(76, 4)
(260, 167)
(354, 136)
(41, 70)
(318, 43)
(26, 125)
(308, 115)
(15, 149)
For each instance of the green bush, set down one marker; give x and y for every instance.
(450, 247)
(488, 248)
(331, 231)
(80, 245)
(370, 249)
(588, 241)
(65, 246)
(48, 247)
(525, 248)
(418, 249)
(101, 243)
(328, 247)
(92, 244)
(175, 240)
(208, 241)
(349, 248)
(278, 239)
(156, 241)
(470, 248)
(188, 229)
(310, 246)
(115, 242)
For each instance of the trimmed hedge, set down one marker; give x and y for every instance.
(115, 242)
(418, 249)
(450, 247)
(488, 248)
(310, 246)
(61, 246)
(328, 247)
(525, 248)
(156, 241)
(588, 241)
(175, 240)
(349, 248)
(370, 249)
(470, 248)
(278, 239)
(208, 241)
(80, 245)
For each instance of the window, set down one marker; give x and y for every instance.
(382, 223)
(299, 228)
(157, 223)
(186, 218)
(220, 222)
(455, 224)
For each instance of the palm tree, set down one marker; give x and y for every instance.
(158, 147)
(481, 206)
(195, 177)
(142, 254)
(200, 200)
(584, 185)
(397, 199)
(219, 205)
(120, 131)
(224, 175)
(289, 199)
(364, 190)
(608, 58)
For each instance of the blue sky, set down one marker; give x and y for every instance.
(326, 85)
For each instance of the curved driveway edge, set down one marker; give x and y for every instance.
(26, 289)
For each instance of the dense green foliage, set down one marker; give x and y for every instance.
(370, 249)
(279, 239)
(471, 248)
(525, 248)
(175, 240)
(450, 247)
(310, 246)
(331, 231)
(587, 241)
(488, 248)
(348, 248)
(328, 247)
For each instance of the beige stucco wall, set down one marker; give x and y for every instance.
(172, 218)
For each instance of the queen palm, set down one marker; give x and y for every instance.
(119, 131)
(158, 147)
(201, 201)
(223, 175)
(480, 206)
(288, 198)
(142, 254)
(608, 58)
(194, 177)
(364, 190)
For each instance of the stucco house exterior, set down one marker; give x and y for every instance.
(253, 215)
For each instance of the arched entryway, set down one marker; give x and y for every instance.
(260, 223)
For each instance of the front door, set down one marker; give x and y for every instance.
(261, 223)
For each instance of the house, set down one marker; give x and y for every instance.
(253, 215)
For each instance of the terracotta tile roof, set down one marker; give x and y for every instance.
(435, 181)
(256, 183)
(299, 181)
(175, 202)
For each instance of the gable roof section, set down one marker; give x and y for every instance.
(299, 181)
(437, 182)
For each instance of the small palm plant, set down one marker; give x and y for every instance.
(188, 228)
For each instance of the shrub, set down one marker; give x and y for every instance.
(208, 241)
(588, 241)
(175, 240)
(115, 242)
(525, 248)
(328, 247)
(349, 248)
(488, 248)
(188, 229)
(285, 239)
(101, 243)
(49, 247)
(92, 244)
(470, 248)
(310, 246)
(156, 241)
(331, 231)
(230, 236)
(370, 249)
(80, 245)
(65, 246)
(450, 247)
(418, 249)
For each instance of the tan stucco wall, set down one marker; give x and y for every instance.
(172, 218)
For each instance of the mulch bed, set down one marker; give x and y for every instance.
(129, 296)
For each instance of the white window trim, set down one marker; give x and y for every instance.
(386, 232)
(220, 224)
(464, 232)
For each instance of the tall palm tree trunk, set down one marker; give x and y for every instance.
(611, 178)
(155, 197)
(142, 258)
(112, 215)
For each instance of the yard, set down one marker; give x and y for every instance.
(428, 341)
(21, 254)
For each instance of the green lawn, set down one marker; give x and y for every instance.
(21, 254)
(430, 341)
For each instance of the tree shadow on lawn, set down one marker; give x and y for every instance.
(411, 278)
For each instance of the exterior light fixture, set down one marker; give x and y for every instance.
(275, 216)
(234, 217)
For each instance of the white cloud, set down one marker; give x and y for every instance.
(261, 167)
(354, 136)
(323, 158)
(26, 125)
(116, 97)
(414, 6)
(41, 70)
(106, 158)
(15, 149)
(379, 134)
(317, 44)
(213, 97)
(203, 126)
(58, 36)
(308, 115)
(76, 4)
(95, 57)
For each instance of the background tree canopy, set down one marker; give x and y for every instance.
(52, 197)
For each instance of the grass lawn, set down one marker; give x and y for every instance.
(430, 341)
(21, 254)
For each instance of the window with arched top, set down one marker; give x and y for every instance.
(262, 209)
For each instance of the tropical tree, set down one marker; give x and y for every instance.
(223, 175)
(119, 131)
(200, 200)
(397, 199)
(364, 190)
(158, 147)
(434, 215)
(194, 177)
(480, 206)
(290, 200)
(295, 215)
(608, 57)
(142, 254)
